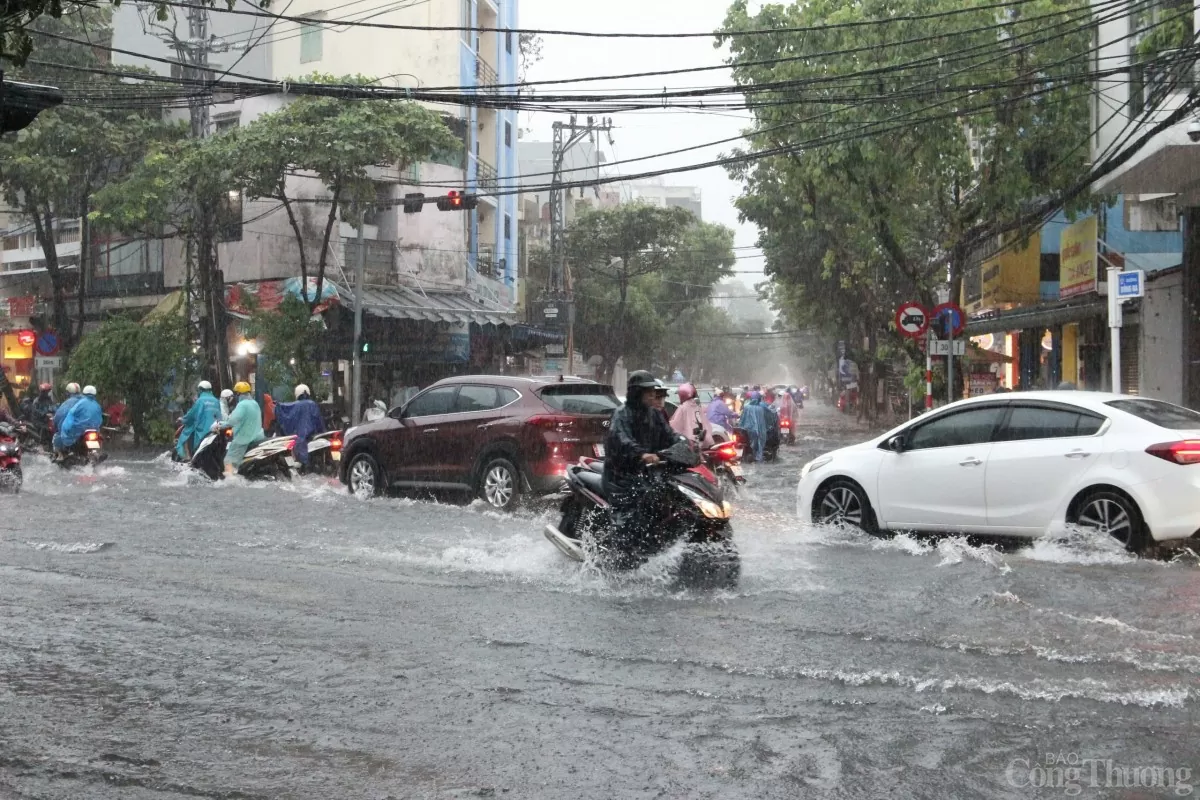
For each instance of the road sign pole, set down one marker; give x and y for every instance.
(929, 371)
(1114, 326)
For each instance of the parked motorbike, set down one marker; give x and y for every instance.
(10, 458)
(267, 460)
(684, 503)
(88, 450)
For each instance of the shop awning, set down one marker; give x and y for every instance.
(1038, 317)
(400, 302)
(171, 305)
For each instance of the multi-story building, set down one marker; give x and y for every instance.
(658, 193)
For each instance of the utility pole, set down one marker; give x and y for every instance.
(566, 136)
(356, 362)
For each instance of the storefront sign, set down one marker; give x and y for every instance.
(22, 306)
(26, 338)
(13, 349)
(981, 383)
(1077, 264)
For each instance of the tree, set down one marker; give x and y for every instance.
(51, 169)
(624, 258)
(337, 142)
(133, 361)
(289, 336)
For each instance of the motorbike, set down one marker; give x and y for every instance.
(324, 454)
(267, 460)
(786, 433)
(770, 447)
(10, 458)
(684, 501)
(38, 434)
(88, 450)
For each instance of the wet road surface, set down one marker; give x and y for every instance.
(161, 637)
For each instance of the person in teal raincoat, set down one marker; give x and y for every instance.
(246, 421)
(198, 420)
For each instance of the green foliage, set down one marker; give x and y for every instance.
(288, 336)
(637, 269)
(128, 360)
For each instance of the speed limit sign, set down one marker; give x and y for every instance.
(912, 320)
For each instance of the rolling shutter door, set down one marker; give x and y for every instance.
(1131, 341)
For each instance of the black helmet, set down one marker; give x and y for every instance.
(640, 380)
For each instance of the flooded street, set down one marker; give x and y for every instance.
(166, 638)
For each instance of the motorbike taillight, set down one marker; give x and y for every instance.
(726, 452)
(91, 436)
(335, 443)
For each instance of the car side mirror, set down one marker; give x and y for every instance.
(898, 443)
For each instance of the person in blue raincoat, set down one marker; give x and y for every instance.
(301, 419)
(73, 396)
(246, 422)
(754, 421)
(199, 420)
(84, 415)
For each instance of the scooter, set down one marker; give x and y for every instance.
(88, 450)
(684, 501)
(325, 454)
(267, 460)
(786, 433)
(10, 458)
(725, 461)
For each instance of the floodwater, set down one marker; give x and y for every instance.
(163, 637)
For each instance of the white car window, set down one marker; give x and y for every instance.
(970, 426)
(1041, 422)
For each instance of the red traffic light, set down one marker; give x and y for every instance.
(454, 200)
(457, 201)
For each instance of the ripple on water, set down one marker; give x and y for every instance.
(73, 548)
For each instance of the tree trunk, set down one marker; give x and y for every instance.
(324, 256)
(43, 226)
(291, 215)
(85, 261)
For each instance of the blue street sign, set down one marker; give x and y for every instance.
(1131, 284)
(47, 343)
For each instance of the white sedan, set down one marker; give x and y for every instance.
(1021, 464)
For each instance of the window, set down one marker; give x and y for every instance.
(508, 37)
(229, 217)
(508, 396)
(477, 398)
(11, 242)
(585, 398)
(435, 401)
(226, 122)
(507, 226)
(1164, 415)
(965, 427)
(1039, 422)
(65, 235)
(466, 21)
(311, 44)
(508, 134)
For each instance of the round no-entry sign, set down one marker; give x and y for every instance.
(912, 320)
(950, 311)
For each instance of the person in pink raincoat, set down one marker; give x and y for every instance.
(684, 420)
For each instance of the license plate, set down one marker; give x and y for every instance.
(292, 463)
(599, 450)
(336, 455)
(735, 470)
(93, 445)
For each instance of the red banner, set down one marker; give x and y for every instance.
(22, 306)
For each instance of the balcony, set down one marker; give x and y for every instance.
(379, 266)
(486, 79)
(487, 265)
(487, 177)
(137, 283)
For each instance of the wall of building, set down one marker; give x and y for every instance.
(1161, 324)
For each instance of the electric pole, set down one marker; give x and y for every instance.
(566, 136)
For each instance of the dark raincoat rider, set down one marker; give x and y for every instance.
(301, 419)
(638, 430)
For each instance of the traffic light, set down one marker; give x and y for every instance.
(457, 201)
(413, 203)
(366, 347)
(20, 103)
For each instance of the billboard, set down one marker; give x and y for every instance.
(1077, 271)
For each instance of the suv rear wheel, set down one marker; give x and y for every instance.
(363, 476)
(500, 484)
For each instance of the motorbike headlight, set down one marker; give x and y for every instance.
(815, 464)
(706, 506)
(5, 449)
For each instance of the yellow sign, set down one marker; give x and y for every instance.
(13, 349)
(1009, 278)
(1077, 260)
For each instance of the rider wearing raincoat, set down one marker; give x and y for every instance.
(246, 421)
(198, 420)
(755, 421)
(301, 419)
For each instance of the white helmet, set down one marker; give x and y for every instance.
(302, 389)
(204, 386)
(72, 388)
(380, 405)
(227, 394)
(89, 390)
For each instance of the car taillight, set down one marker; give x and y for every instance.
(1185, 452)
(551, 422)
(335, 443)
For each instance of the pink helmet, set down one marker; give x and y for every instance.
(686, 392)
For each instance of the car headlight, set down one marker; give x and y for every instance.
(706, 506)
(815, 464)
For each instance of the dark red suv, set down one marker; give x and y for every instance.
(494, 435)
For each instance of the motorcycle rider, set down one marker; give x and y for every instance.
(786, 405)
(638, 430)
(198, 420)
(689, 414)
(246, 421)
(85, 414)
(73, 396)
(226, 403)
(754, 420)
(302, 419)
(720, 412)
